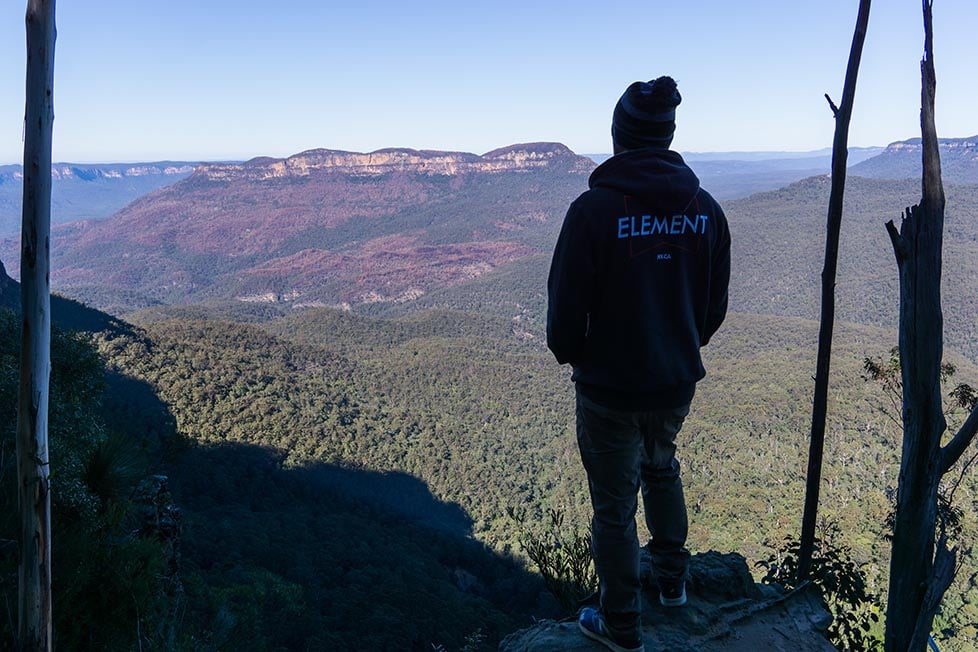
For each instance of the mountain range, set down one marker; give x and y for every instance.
(87, 191)
(901, 160)
(321, 228)
(343, 358)
(395, 230)
(735, 175)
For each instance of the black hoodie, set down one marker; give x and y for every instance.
(638, 282)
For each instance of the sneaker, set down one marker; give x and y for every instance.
(672, 593)
(593, 626)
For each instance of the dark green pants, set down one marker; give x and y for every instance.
(624, 452)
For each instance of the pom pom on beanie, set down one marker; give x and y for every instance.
(645, 116)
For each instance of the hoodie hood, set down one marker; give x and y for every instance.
(657, 177)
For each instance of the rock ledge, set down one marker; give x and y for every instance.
(726, 611)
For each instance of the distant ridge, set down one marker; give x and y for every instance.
(901, 160)
(733, 175)
(856, 154)
(87, 191)
(514, 158)
(65, 313)
(92, 171)
(321, 228)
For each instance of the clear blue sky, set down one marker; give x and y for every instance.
(144, 80)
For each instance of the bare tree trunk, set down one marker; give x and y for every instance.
(827, 322)
(920, 571)
(34, 613)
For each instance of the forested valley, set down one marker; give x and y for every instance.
(248, 475)
(360, 470)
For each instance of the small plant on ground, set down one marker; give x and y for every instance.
(563, 558)
(473, 643)
(855, 611)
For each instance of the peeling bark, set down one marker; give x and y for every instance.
(34, 600)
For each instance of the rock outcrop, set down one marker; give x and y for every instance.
(93, 172)
(321, 228)
(726, 612)
(515, 158)
(901, 160)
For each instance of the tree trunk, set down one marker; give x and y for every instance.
(915, 589)
(827, 320)
(34, 612)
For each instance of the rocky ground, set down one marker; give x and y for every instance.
(726, 611)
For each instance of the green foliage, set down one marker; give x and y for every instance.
(563, 559)
(855, 611)
(293, 477)
(482, 418)
(473, 643)
(333, 467)
(955, 623)
(106, 578)
(777, 273)
(962, 400)
(888, 375)
(279, 556)
(438, 421)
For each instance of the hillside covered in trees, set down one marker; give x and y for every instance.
(329, 466)
(332, 465)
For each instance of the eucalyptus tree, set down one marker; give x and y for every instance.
(34, 608)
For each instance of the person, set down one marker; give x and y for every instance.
(637, 285)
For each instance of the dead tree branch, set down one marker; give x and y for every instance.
(835, 109)
(840, 153)
(919, 573)
(954, 449)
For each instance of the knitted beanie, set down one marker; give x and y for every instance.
(645, 116)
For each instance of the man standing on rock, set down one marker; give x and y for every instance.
(638, 284)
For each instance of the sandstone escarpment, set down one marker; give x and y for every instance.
(516, 158)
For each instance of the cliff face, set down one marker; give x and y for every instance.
(517, 158)
(967, 146)
(322, 227)
(81, 172)
(901, 160)
(726, 612)
(85, 191)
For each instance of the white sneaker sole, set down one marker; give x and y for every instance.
(673, 602)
